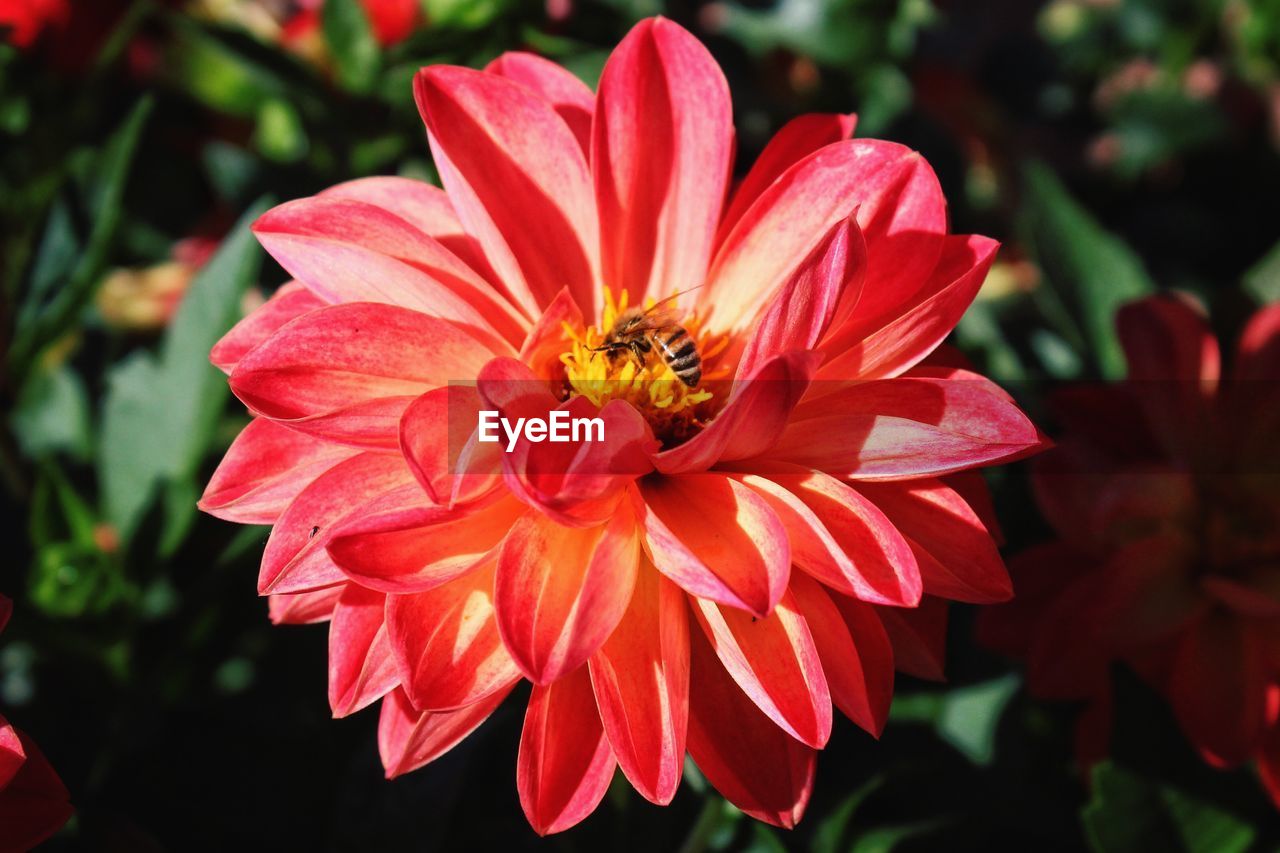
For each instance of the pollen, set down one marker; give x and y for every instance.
(673, 409)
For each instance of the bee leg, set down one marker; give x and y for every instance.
(638, 350)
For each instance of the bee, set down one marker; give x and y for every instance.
(640, 331)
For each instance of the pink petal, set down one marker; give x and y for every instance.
(265, 468)
(751, 421)
(958, 558)
(716, 539)
(899, 207)
(756, 765)
(797, 316)
(290, 301)
(350, 357)
(518, 180)
(641, 682)
(939, 422)
(422, 205)
(304, 608)
(404, 544)
(857, 658)
(662, 147)
(361, 667)
(878, 347)
(775, 662)
(565, 764)
(351, 251)
(840, 537)
(295, 559)
(572, 99)
(561, 591)
(577, 483)
(794, 141)
(446, 645)
(542, 348)
(438, 439)
(408, 738)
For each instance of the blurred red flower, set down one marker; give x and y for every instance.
(34, 803)
(743, 550)
(1164, 493)
(393, 21)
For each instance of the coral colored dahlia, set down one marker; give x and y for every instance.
(1165, 493)
(748, 545)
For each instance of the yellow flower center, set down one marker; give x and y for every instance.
(674, 410)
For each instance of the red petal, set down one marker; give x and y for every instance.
(839, 536)
(361, 667)
(857, 659)
(565, 764)
(438, 438)
(878, 347)
(304, 608)
(569, 96)
(909, 427)
(899, 207)
(797, 316)
(749, 424)
(562, 590)
(958, 558)
(716, 539)
(265, 468)
(408, 739)
(756, 765)
(518, 180)
(290, 301)
(774, 660)
(662, 147)
(577, 483)
(1218, 688)
(919, 637)
(641, 682)
(34, 805)
(295, 559)
(351, 251)
(1174, 366)
(446, 643)
(404, 544)
(794, 141)
(350, 355)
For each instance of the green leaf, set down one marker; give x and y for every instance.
(1091, 272)
(161, 412)
(1263, 278)
(105, 196)
(965, 717)
(834, 826)
(971, 714)
(350, 38)
(52, 414)
(1129, 812)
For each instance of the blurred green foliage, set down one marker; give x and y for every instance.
(1117, 147)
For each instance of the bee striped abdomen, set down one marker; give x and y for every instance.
(680, 354)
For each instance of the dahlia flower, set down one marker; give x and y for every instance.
(739, 554)
(33, 801)
(1163, 491)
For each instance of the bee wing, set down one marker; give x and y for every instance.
(657, 317)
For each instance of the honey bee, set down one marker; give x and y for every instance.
(640, 331)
